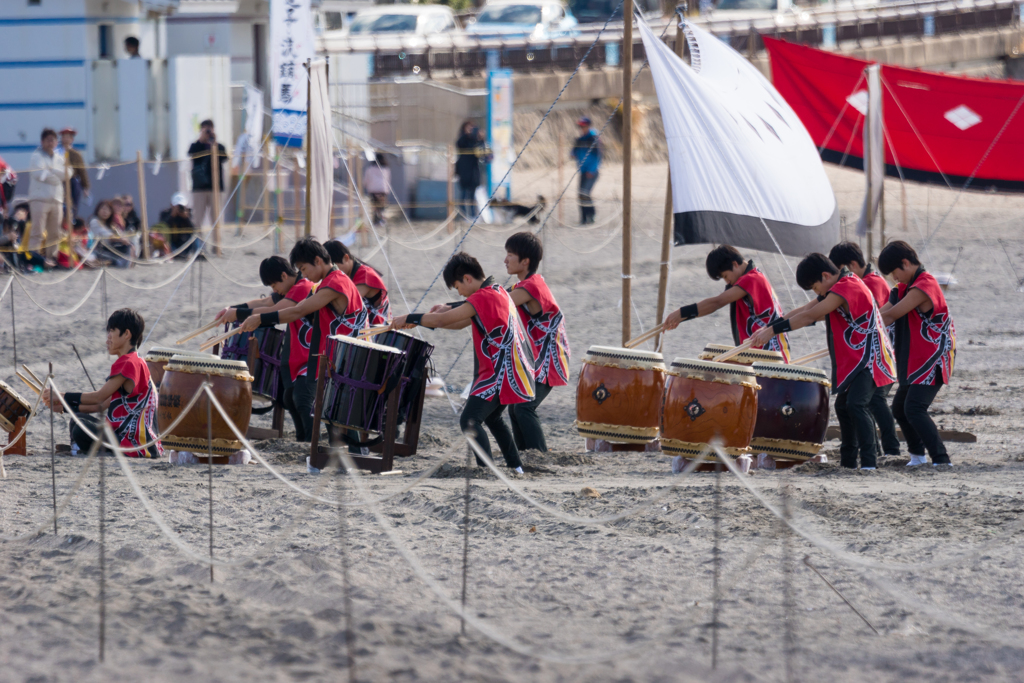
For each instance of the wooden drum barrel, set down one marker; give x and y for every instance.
(747, 357)
(792, 411)
(706, 401)
(231, 384)
(158, 357)
(12, 407)
(618, 397)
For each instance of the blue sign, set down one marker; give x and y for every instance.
(499, 134)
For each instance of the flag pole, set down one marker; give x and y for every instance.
(627, 167)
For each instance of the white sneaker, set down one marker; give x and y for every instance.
(868, 468)
(309, 468)
(519, 470)
(940, 464)
(917, 460)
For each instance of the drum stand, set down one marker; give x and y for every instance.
(411, 434)
(276, 430)
(318, 455)
(17, 447)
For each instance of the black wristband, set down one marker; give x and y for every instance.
(239, 306)
(268, 319)
(455, 304)
(241, 313)
(414, 318)
(688, 312)
(781, 326)
(74, 400)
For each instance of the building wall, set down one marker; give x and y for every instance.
(220, 34)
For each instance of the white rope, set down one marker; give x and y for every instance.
(69, 311)
(593, 226)
(608, 240)
(230, 279)
(515, 225)
(424, 238)
(158, 285)
(10, 281)
(270, 230)
(163, 259)
(415, 245)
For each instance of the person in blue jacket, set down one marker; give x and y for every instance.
(587, 152)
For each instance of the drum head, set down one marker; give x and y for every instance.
(365, 344)
(628, 359)
(162, 354)
(713, 351)
(729, 373)
(800, 373)
(210, 365)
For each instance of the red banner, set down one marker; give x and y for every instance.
(938, 128)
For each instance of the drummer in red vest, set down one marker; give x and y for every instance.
(925, 349)
(289, 289)
(504, 362)
(368, 281)
(748, 293)
(862, 356)
(334, 307)
(848, 255)
(545, 328)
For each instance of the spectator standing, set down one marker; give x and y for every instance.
(202, 172)
(587, 153)
(377, 184)
(46, 195)
(131, 47)
(76, 163)
(469, 147)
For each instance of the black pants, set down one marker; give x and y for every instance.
(526, 427)
(856, 428)
(910, 408)
(303, 397)
(879, 407)
(478, 413)
(288, 404)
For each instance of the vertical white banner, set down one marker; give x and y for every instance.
(291, 44)
(321, 142)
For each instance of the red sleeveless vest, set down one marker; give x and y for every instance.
(759, 308)
(856, 338)
(925, 342)
(503, 360)
(546, 332)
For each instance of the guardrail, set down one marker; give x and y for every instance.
(464, 54)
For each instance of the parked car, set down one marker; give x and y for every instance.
(421, 20)
(598, 11)
(536, 19)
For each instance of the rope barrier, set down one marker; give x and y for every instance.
(615, 233)
(69, 311)
(416, 247)
(424, 238)
(149, 287)
(232, 280)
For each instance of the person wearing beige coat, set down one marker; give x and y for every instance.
(46, 195)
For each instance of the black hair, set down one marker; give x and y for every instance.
(459, 266)
(337, 251)
(845, 253)
(810, 269)
(47, 132)
(721, 259)
(133, 41)
(128, 320)
(306, 250)
(892, 255)
(206, 123)
(273, 268)
(526, 245)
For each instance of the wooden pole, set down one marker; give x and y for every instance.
(215, 167)
(69, 204)
(561, 173)
(330, 212)
(309, 125)
(351, 185)
(278, 208)
(142, 204)
(297, 196)
(264, 163)
(666, 229)
(240, 196)
(451, 187)
(364, 233)
(627, 170)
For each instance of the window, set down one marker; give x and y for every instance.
(34, 3)
(106, 41)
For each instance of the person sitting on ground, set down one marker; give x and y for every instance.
(132, 222)
(290, 288)
(848, 255)
(925, 341)
(748, 294)
(112, 245)
(125, 396)
(368, 281)
(504, 372)
(10, 240)
(178, 227)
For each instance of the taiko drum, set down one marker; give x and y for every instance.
(792, 411)
(618, 397)
(745, 357)
(158, 357)
(231, 384)
(705, 401)
(12, 407)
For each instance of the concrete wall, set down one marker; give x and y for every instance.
(533, 90)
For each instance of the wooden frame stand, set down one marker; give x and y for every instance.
(276, 430)
(18, 447)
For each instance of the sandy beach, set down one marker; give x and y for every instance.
(930, 558)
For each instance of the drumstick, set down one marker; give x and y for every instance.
(213, 341)
(371, 331)
(644, 337)
(204, 328)
(821, 353)
(26, 380)
(732, 353)
(31, 374)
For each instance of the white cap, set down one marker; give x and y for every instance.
(179, 199)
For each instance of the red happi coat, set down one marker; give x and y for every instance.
(327, 321)
(925, 342)
(503, 362)
(379, 306)
(546, 331)
(759, 308)
(856, 337)
(877, 285)
(131, 415)
(299, 331)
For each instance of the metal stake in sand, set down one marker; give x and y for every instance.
(465, 539)
(350, 633)
(209, 462)
(199, 317)
(789, 634)
(14, 332)
(716, 563)
(807, 561)
(83, 364)
(103, 551)
(53, 458)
